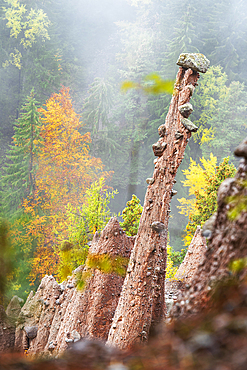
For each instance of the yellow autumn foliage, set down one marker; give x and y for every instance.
(195, 179)
(25, 26)
(14, 15)
(170, 269)
(207, 135)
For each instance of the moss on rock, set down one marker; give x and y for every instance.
(196, 61)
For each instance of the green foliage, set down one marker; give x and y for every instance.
(6, 260)
(18, 178)
(131, 216)
(220, 111)
(97, 105)
(228, 122)
(93, 215)
(177, 257)
(211, 90)
(130, 129)
(23, 246)
(82, 224)
(206, 203)
(123, 127)
(96, 115)
(28, 57)
(95, 211)
(182, 36)
(228, 53)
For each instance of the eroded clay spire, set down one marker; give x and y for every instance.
(142, 299)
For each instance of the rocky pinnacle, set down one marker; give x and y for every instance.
(141, 303)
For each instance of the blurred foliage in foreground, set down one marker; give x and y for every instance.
(237, 203)
(105, 263)
(214, 338)
(153, 84)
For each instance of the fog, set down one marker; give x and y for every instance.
(110, 41)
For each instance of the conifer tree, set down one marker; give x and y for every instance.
(18, 179)
(97, 104)
(184, 37)
(131, 216)
(230, 19)
(96, 118)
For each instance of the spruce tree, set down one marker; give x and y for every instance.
(18, 174)
(184, 37)
(97, 105)
(229, 22)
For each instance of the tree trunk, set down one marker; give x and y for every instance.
(142, 299)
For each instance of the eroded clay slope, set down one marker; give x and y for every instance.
(228, 241)
(194, 257)
(60, 314)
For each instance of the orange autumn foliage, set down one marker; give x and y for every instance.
(65, 171)
(66, 168)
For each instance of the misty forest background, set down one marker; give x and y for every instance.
(54, 53)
